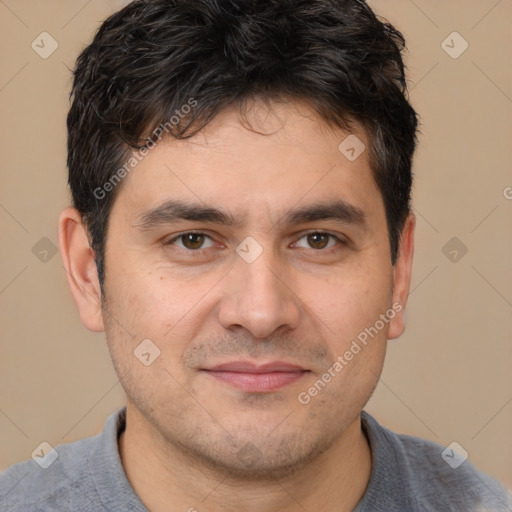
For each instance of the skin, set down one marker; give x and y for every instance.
(298, 302)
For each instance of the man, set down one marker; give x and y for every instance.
(241, 230)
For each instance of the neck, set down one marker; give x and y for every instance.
(162, 474)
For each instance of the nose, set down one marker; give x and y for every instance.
(259, 299)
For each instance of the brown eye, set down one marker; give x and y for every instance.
(322, 242)
(192, 240)
(318, 240)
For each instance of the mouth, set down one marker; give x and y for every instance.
(254, 378)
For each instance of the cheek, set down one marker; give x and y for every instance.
(349, 302)
(158, 305)
(143, 332)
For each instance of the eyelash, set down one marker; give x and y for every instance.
(199, 252)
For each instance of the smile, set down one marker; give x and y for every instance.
(253, 378)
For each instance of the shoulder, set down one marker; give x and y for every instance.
(49, 478)
(433, 476)
(441, 474)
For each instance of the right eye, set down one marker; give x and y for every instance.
(190, 241)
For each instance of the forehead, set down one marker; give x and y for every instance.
(274, 159)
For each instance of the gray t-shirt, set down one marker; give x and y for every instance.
(408, 475)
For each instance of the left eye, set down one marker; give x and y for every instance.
(318, 240)
(191, 241)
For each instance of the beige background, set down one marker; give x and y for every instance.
(449, 378)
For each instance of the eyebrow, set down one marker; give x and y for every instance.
(173, 211)
(338, 210)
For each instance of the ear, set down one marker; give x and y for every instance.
(402, 277)
(78, 259)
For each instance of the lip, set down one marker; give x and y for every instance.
(256, 378)
(249, 367)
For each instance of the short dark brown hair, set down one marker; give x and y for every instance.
(152, 57)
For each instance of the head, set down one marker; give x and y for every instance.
(228, 119)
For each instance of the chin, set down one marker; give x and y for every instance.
(265, 461)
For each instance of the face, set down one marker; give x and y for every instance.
(254, 292)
